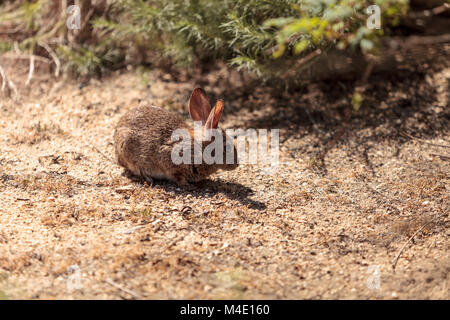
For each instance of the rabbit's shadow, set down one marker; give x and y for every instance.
(207, 189)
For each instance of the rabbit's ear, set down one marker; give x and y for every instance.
(199, 106)
(214, 116)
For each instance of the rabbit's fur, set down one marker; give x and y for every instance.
(143, 142)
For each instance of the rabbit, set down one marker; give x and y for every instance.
(143, 141)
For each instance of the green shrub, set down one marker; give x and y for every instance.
(263, 36)
(260, 35)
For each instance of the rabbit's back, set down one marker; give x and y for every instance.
(151, 119)
(143, 139)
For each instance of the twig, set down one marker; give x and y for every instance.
(423, 141)
(102, 154)
(54, 57)
(7, 84)
(303, 61)
(368, 71)
(16, 47)
(440, 9)
(4, 79)
(315, 125)
(13, 87)
(394, 262)
(440, 155)
(118, 286)
(30, 73)
(24, 56)
(404, 44)
(130, 231)
(196, 231)
(361, 87)
(18, 29)
(427, 13)
(275, 48)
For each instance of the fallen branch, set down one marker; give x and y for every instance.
(395, 52)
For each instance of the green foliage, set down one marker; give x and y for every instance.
(5, 46)
(251, 34)
(318, 23)
(264, 36)
(184, 30)
(357, 100)
(33, 26)
(30, 11)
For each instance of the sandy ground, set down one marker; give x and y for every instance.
(329, 224)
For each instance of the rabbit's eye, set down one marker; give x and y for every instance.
(195, 170)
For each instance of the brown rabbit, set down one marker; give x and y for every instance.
(143, 141)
